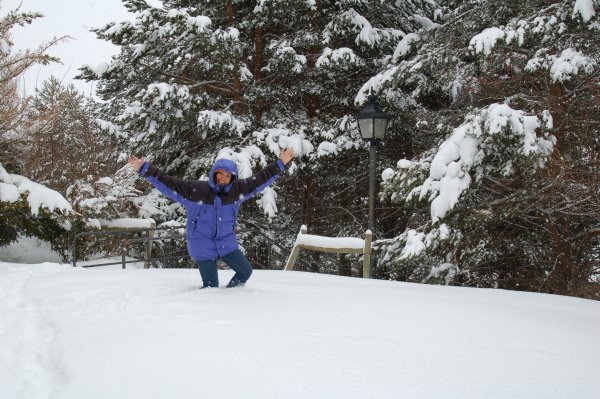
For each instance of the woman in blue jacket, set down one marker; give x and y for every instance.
(212, 207)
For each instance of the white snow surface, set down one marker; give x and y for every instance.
(128, 223)
(330, 242)
(107, 333)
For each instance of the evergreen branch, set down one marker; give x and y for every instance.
(583, 86)
(14, 66)
(194, 83)
(334, 216)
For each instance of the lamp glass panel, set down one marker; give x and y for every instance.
(380, 125)
(366, 128)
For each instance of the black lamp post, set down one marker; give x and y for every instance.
(372, 123)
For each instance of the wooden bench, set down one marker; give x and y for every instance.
(340, 245)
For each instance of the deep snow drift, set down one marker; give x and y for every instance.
(108, 333)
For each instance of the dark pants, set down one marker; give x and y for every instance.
(235, 260)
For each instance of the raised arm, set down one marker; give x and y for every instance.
(174, 188)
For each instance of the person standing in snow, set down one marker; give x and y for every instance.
(212, 207)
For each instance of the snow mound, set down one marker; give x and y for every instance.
(103, 333)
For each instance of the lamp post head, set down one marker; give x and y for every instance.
(372, 120)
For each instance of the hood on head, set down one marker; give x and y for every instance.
(223, 164)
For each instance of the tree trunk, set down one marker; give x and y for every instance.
(259, 43)
(308, 203)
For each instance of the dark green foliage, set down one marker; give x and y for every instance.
(17, 220)
(532, 228)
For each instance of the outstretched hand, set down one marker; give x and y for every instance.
(286, 155)
(136, 163)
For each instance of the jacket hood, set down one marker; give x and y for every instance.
(226, 165)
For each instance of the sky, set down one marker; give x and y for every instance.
(72, 18)
(72, 333)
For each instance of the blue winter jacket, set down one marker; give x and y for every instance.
(212, 209)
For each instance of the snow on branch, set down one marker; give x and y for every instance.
(375, 83)
(562, 68)
(218, 119)
(341, 56)
(111, 128)
(38, 196)
(244, 159)
(449, 269)
(569, 63)
(285, 56)
(485, 41)
(199, 24)
(268, 202)
(160, 92)
(405, 46)
(585, 9)
(115, 29)
(424, 21)
(490, 141)
(468, 146)
(368, 34)
(220, 35)
(279, 138)
(350, 22)
(413, 245)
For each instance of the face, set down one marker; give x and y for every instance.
(223, 178)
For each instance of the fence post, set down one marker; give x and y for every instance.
(367, 255)
(151, 232)
(124, 244)
(295, 251)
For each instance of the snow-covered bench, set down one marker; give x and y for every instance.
(340, 245)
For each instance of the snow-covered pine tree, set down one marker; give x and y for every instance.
(64, 143)
(241, 79)
(499, 177)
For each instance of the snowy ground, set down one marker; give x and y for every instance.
(109, 333)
